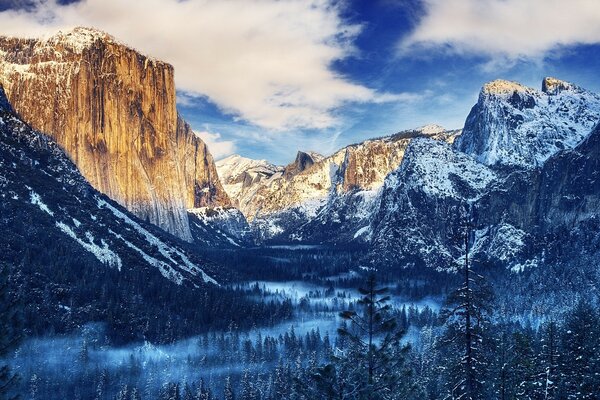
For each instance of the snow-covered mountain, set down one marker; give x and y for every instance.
(514, 125)
(243, 177)
(527, 166)
(46, 202)
(296, 202)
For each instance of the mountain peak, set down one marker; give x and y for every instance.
(304, 160)
(80, 38)
(503, 87)
(512, 124)
(553, 86)
(431, 129)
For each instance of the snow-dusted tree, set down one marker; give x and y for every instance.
(228, 393)
(467, 326)
(580, 356)
(371, 366)
(524, 366)
(548, 360)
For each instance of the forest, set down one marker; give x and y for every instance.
(346, 336)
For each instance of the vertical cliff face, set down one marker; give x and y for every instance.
(113, 111)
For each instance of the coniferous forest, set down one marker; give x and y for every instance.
(299, 200)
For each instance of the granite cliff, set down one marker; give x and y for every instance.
(113, 111)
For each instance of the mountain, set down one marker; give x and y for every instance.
(317, 198)
(113, 111)
(79, 257)
(527, 169)
(242, 177)
(513, 125)
(46, 202)
(420, 204)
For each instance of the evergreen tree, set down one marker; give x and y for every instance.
(467, 322)
(548, 360)
(372, 364)
(524, 366)
(580, 357)
(228, 393)
(10, 332)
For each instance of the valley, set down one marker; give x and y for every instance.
(417, 264)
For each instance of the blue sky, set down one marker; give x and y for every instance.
(264, 79)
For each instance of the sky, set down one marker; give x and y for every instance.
(266, 78)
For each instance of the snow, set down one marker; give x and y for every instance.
(434, 167)
(37, 200)
(519, 126)
(165, 269)
(431, 129)
(362, 231)
(79, 38)
(165, 250)
(232, 167)
(103, 253)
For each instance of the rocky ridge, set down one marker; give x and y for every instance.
(290, 207)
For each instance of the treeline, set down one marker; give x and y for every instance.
(61, 292)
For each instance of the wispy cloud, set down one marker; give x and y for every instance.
(263, 61)
(218, 147)
(509, 30)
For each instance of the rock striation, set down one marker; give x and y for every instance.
(114, 113)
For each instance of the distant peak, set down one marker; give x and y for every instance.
(431, 129)
(503, 87)
(553, 86)
(304, 159)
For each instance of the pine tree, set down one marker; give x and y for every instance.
(548, 360)
(524, 366)
(467, 323)
(228, 393)
(580, 357)
(10, 332)
(371, 365)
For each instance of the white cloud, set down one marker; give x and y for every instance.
(264, 61)
(217, 147)
(505, 29)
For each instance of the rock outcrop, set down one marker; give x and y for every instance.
(46, 203)
(113, 111)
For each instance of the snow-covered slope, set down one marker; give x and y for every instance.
(220, 227)
(514, 125)
(526, 166)
(44, 199)
(242, 177)
(421, 201)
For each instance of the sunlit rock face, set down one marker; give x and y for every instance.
(113, 111)
(318, 198)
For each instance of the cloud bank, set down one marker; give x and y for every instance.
(509, 29)
(263, 61)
